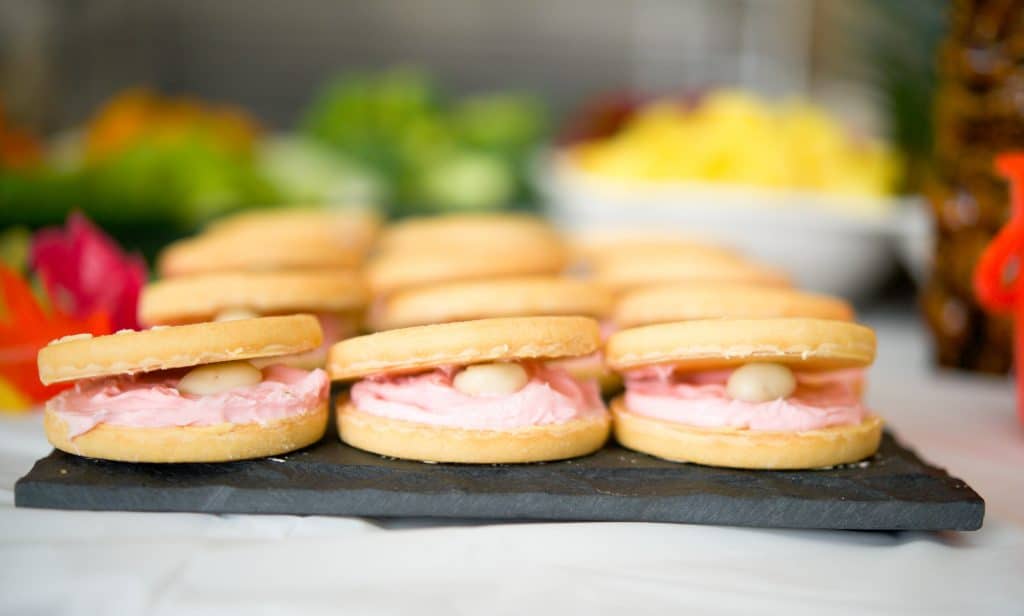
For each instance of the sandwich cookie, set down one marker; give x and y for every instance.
(353, 227)
(187, 393)
(336, 297)
(468, 232)
(472, 391)
(758, 394)
(704, 300)
(391, 272)
(274, 240)
(510, 297)
(507, 297)
(435, 250)
(590, 247)
(628, 272)
(252, 252)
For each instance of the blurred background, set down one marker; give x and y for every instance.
(821, 136)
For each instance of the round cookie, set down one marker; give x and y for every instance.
(81, 357)
(810, 344)
(257, 250)
(749, 449)
(357, 227)
(469, 232)
(464, 301)
(218, 443)
(403, 439)
(391, 272)
(593, 246)
(623, 273)
(420, 348)
(685, 302)
(189, 299)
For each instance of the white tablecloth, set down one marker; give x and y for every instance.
(130, 563)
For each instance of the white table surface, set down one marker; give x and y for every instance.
(133, 563)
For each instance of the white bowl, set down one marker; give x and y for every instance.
(834, 244)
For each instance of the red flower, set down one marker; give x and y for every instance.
(84, 271)
(25, 327)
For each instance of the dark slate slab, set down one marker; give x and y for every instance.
(895, 490)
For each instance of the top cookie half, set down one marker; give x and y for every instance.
(804, 344)
(414, 349)
(80, 357)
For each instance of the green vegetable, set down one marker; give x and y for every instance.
(367, 117)
(303, 171)
(185, 182)
(39, 196)
(432, 156)
(466, 181)
(179, 183)
(508, 124)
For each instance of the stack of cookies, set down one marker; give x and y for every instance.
(492, 339)
(628, 261)
(419, 252)
(270, 262)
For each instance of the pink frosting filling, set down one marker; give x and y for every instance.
(592, 364)
(335, 327)
(699, 399)
(151, 400)
(551, 396)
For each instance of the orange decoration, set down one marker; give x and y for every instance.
(19, 149)
(998, 278)
(26, 327)
(141, 115)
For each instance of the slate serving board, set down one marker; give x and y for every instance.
(895, 490)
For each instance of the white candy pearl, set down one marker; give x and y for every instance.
(235, 314)
(761, 383)
(491, 379)
(217, 378)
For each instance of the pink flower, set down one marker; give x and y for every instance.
(85, 271)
